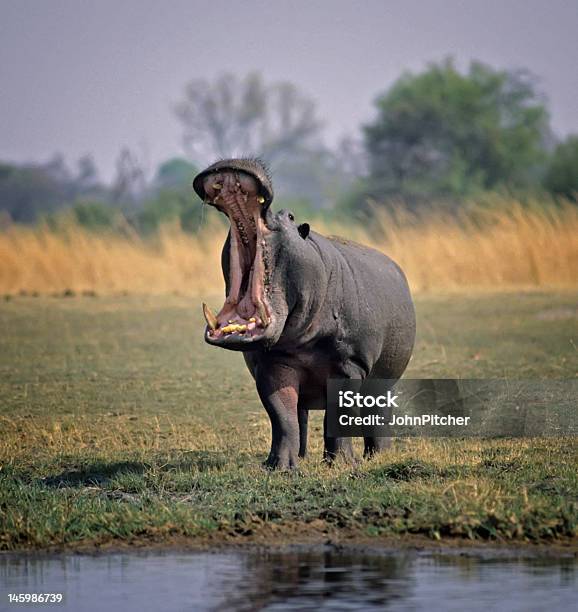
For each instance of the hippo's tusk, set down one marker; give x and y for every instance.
(210, 318)
(261, 200)
(262, 314)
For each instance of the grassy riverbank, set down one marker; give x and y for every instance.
(118, 423)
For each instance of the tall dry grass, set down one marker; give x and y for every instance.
(73, 259)
(510, 246)
(505, 246)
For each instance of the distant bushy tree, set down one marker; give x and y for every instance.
(444, 132)
(129, 183)
(87, 175)
(170, 206)
(562, 173)
(234, 117)
(176, 173)
(95, 215)
(170, 199)
(29, 191)
(276, 122)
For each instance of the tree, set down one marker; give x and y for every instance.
(562, 173)
(443, 132)
(28, 191)
(238, 117)
(95, 215)
(175, 173)
(86, 175)
(130, 180)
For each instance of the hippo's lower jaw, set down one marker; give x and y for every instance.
(237, 331)
(245, 317)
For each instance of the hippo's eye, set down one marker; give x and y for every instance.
(291, 217)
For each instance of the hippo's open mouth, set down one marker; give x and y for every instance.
(244, 316)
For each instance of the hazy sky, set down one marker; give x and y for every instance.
(89, 76)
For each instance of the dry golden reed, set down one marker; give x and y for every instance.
(510, 246)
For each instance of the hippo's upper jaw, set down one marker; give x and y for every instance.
(246, 315)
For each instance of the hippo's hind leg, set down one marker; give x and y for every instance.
(336, 448)
(341, 447)
(278, 387)
(374, 445)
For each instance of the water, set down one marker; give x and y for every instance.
(301, 579)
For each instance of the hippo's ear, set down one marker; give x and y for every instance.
(303, 230)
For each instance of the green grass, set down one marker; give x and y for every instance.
(117, 423)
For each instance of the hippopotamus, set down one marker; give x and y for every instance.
(302, 308)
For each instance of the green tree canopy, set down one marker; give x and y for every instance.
(176, 173)
(444, 132)
(562, 174)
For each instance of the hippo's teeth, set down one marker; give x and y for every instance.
(262, 314)
(210, 318)
(229, 329)
(217, 186)
(261, 200)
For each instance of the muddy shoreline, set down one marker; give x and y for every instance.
(302, 538)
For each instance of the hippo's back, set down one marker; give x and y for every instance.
(381, 301)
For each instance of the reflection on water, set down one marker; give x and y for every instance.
(324, 579)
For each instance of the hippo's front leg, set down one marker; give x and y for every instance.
(278, 387)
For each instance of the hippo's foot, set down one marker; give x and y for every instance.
(374, 446)
(341, 459)
(281, 461)
(339, 450)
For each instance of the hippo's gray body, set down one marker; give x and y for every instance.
(330, 308)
